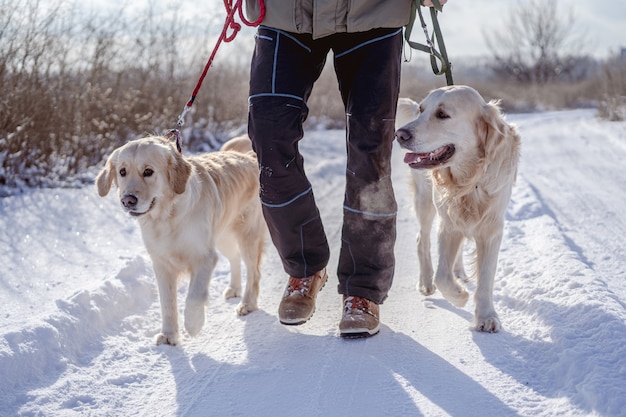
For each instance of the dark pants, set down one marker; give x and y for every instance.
(284, 68)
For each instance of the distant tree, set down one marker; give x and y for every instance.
(537, 44)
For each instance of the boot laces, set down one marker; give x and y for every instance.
(357, 304)
(300, 285)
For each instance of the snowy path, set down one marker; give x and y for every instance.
(80, 308)
(578, 172)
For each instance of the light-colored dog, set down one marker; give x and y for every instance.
(464, 159)
(188, 208)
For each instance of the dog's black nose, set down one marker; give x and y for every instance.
(129, 201)
(403, 135)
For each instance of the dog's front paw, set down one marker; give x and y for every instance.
(231, 292)
(194, 318)
(245, 308)
(488, 324)
(427, 290)
(453, 291)
(167, 339)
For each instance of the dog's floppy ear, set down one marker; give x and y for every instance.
(179, 171)
(491, 128)
(106, 177)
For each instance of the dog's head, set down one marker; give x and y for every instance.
(454, 125)
(146, 172)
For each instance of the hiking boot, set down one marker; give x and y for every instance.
(298, 303)
(360, 318)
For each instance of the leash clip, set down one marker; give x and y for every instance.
(175, 133)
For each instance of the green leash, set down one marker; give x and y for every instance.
(429, 48)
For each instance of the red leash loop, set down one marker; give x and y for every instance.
(229, 24)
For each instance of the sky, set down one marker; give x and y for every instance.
(79, 309)
(463, 22)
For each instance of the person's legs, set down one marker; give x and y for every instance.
(284, 68)
(368, 70)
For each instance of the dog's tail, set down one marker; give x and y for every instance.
(241, 144)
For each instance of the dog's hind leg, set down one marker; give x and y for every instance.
(459, 268)
(228, 247)
(198, 294)
(251, 252)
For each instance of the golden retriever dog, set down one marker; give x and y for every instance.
(464, 159)
(188, 209)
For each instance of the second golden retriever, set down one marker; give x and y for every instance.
(464, 159)
(188, 208)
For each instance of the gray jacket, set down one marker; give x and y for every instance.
(326, 17)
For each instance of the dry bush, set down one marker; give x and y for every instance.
(418, 80)
(521, 98)
(604, 88)
(612, 83)
(75, 85)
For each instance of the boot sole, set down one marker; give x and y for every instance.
(359, 334)
(296, 322)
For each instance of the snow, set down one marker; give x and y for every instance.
(79, 307)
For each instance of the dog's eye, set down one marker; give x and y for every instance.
(123, 172)
(442, 115)
(148, 172)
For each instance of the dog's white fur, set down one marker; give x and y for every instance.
(188, 208)
(469, 191)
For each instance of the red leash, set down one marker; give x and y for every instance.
(229, 24)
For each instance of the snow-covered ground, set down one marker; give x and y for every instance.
(79, 308)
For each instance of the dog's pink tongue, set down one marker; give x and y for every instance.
(413, 158)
